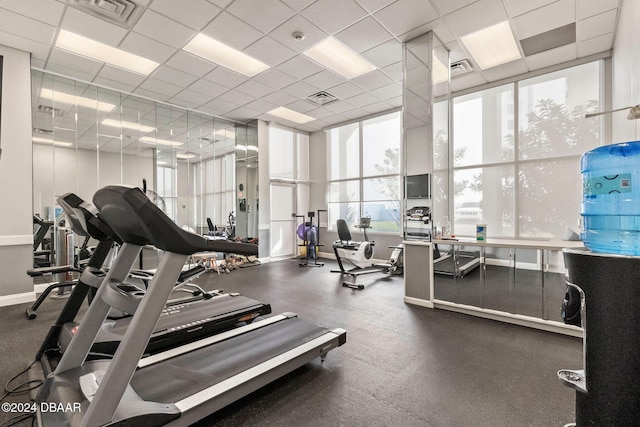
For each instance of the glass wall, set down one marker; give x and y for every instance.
(364, 173)
(516, 152)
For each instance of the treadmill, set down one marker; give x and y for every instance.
(182, 320)
(454, 263)
(181, 385)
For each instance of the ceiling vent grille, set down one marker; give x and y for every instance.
(321, 98)
(43, 131)
(50, 110)
(123, 13)
(461, 67)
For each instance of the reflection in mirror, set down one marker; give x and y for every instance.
(426, 62)
(86, 137)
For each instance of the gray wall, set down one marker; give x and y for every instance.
(16, 228)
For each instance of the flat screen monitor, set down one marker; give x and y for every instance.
(418, 186)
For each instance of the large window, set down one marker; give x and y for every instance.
(364, 173)
(516, 153)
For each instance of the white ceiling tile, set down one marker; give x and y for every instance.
(319, 113)
(41, 10)
(323, 14)
(447, 6)
(312, 34)
(405, 15)
(119, 75)
(595, 45)
(254, 88)
(171, 75)
(372, 80)
(85, 65)
(280, 98)
(387, 92)
(384, 54)
(374, 5)
(261, 105)
(194, 96)
(163, 29)
(235, 97)
(89, 26)
(596, 25)
(395, 71)
(265, 15)
(518, 7)
(192, 13)
(338, 106)
(226, 77)
(190, 64)
(35, 62)
(324, 79)
(70, 72)
(208, 88)
(299, 67)
(26, 27)
(150, 94)
(300, 90)
(377, 107)
(168, 90)
(440, 28)
(184, 102)
(297, 5)
(146, 47)
(509, 69)
(547, 18)
(39, 51)
(550, 57)
(345, 90)
(476, 16)
(230, 30)
(275, 78)
(587, 8)
(457, 52)
(242, 114)
(363, 35)
(466, 81)
(217, 107)
(302, 106)
(362, 100)
(269, 51)
(356, 113)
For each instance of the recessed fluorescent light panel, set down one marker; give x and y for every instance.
(66, 98)
(185, 156)
(128, 125)
(217, 52)
(84, 46)
(339, 58)
(287, 114)
(153, 141)
(492, 46)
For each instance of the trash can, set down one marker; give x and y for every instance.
(607, 390)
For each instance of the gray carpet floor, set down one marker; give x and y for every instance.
(402, 365)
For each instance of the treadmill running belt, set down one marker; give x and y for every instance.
(187, 374)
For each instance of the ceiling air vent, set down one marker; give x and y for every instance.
(321, 98)
(123, 13)
(49, 110)
(43, 131)
(460, 67)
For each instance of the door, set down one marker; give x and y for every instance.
(283, 243)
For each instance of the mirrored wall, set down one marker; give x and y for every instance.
(86, 137)
(425, 133)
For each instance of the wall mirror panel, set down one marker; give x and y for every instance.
(86, 137)
(425, 127)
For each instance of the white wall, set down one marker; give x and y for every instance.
(16, 227)
(626, 72)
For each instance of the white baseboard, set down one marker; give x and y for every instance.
(418, 301)
(14, 299)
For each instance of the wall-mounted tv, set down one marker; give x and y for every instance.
(418, 186)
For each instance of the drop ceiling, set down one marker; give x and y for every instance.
(263, 29)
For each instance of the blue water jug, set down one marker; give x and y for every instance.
(611, 199)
